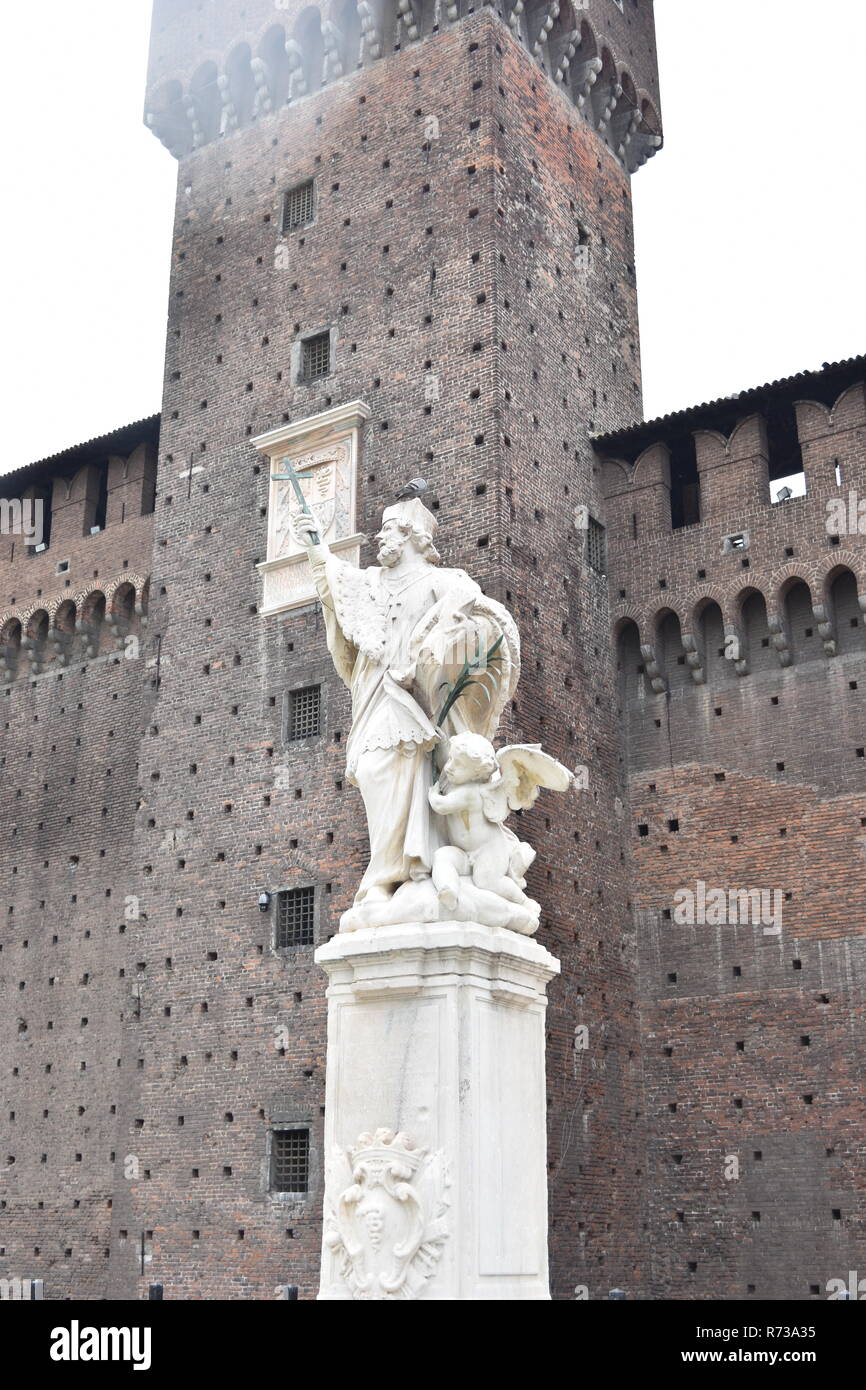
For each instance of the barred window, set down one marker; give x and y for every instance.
(299, 206)
(316, 356)
(295, 918)
(596, 548)
(305, 711)
(290, 1160)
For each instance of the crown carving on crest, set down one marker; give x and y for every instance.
(384, 1146)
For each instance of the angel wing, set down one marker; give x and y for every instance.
(524, 769)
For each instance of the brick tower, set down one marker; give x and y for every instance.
(404, 229)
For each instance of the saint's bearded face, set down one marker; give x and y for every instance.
(392, 542)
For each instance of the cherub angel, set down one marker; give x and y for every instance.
(475, 793)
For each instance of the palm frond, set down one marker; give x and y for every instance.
(490, 667)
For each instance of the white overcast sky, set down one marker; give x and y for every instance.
(750, 223)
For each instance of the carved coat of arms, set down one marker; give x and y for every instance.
(327, 488)
(385, 1215)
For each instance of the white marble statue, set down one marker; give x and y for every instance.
(406, 636)
(481, 786)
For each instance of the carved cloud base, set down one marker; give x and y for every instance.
(417, 902)
(435, 1115)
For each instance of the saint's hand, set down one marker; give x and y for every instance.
(303, 526)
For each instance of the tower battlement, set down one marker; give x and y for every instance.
(710, 549)
(75, 551)
(216, 71)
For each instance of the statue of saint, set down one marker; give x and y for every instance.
(402, 635)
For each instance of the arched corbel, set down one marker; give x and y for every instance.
(551, 14)
(406, 19)
(35, 657)
(515, 18)
(229, 119)
(736, 648)
(198, 138)
(585, 78)
(332, 61)
(371, 33)
(642, 146)
(59, 644)
(623, 133)
(694, 658)
(89, 634)
(604, 112)
(10, 654)
(826, 627)
(297, 81)
(569, 48)
(653, 670)
(262, 102)
(779, 638)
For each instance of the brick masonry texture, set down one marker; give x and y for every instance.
(72, 705)
(754, 779)
(494, 254)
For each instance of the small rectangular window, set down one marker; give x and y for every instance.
(295, 918)
(596, 549)
(299, 206)
(305, 712)
(290, 1160)
(316, 359)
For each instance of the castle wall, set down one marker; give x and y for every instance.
(74, 690)
(470, 261)
(742, 673)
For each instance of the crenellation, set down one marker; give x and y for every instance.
(281, 63)
(746, 788)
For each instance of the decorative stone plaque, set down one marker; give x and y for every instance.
(324, 449)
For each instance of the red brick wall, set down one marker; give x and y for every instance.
(704, 1042)
(71, 715)
(750, 781)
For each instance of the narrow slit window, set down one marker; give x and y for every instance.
(596, 549)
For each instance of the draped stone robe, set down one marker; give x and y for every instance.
(396, 643)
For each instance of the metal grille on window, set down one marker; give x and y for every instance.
(596, 549)
(299, 206)
(295, 917)
(290, 1160)
(317, 356)
(304, 712)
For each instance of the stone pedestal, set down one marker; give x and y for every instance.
(435, 1115)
